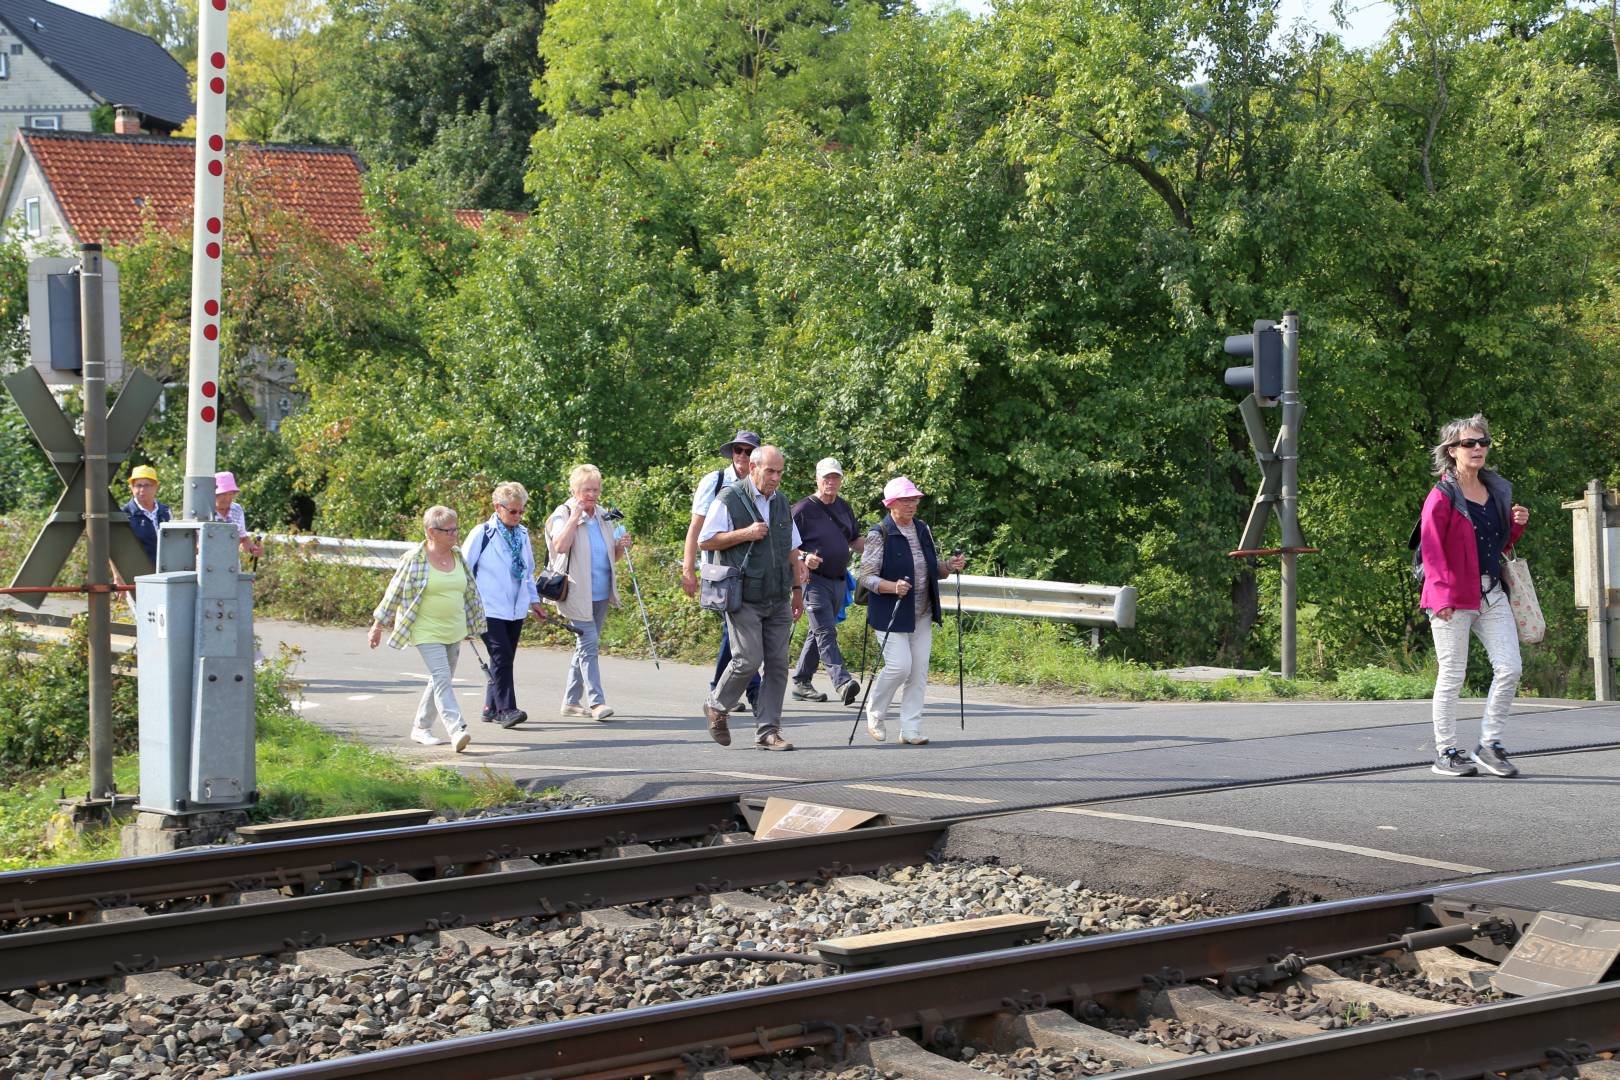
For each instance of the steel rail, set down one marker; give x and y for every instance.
(919, 996)
(1471, 1042)
(441, 848)
(98, 950)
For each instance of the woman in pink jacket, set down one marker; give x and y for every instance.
(1469, 523)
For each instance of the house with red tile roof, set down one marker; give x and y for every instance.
(73, 187)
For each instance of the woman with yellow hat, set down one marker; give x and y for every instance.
(145, 512)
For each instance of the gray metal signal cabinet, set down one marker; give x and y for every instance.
(194, 629)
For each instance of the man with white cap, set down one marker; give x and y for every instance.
(901, 568)
(828, 527)
(226, 508)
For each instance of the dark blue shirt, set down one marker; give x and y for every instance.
(828, 531)
(143, 527)
(1490, 534)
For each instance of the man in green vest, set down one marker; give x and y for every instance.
(750, 526)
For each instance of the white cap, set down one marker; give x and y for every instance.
(828, 465)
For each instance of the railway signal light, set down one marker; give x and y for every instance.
(1263, 375)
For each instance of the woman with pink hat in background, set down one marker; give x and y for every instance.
(900, 552)
(226, 508)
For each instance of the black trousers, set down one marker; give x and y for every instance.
(501, 639)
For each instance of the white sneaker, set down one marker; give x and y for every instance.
(602, 712)
(874, 728)
(462, 737)
(914, 738)
(575, 710)
(426, 737)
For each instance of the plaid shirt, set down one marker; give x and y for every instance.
(405, 592)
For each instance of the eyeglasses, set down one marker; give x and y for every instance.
(445, 528)
(1471, 443)
(518, 510)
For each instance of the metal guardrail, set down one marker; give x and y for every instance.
(1092, 605)
(44, 622)
(371, 554)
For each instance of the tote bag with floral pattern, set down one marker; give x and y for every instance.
(1522, 598)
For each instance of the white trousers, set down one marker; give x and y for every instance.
(1494, 626)
(905, 664)
(439, 696)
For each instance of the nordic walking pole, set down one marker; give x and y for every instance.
(860, 710)
(646, 623)
(961, 700)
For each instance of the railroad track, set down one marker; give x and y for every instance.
(355, 860)
(490, 873)
(912, 1017)
(916, 1018)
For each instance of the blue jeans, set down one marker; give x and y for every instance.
(585, 673)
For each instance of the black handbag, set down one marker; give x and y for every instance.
(553, 584)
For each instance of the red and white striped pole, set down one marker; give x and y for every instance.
(207, 238)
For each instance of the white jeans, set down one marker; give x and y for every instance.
(1493, 624)
(439, 696)
(905, 662)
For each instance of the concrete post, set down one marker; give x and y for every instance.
(1288, 516)
(94, 360)
(1597, 612)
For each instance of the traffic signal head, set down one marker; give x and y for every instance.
(1263, 375)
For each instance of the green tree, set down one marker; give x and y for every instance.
(442, 84)
(171, 23)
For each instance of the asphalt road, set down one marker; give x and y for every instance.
(1247, 846)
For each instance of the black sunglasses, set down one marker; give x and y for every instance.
(1471, 443)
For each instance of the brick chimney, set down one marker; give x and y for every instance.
(126, 121)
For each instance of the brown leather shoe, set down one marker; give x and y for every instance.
(718, 731)
(772, 740)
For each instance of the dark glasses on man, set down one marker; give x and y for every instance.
(1471, 443)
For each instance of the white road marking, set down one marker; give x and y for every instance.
(1387, 828)
(603, 769)
(1600, 886)
(300, 705)
(914, 793)
(1299, 841)
(361, 697)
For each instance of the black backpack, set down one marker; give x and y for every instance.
(1415, 544)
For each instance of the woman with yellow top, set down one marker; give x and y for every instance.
(433, 604)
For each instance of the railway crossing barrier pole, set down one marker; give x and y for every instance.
(1597, 580)
(194, 623)
(1272, 379)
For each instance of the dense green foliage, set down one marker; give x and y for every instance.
(996, 254)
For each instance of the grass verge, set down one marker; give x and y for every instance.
(303, 772)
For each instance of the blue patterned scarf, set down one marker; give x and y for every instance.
(515, 541)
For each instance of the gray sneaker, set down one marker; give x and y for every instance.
(1452, 763)
(1493, 759)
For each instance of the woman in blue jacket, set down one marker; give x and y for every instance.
(502, 562)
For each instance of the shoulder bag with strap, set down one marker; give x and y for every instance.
(720, 584)
(553, 584)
